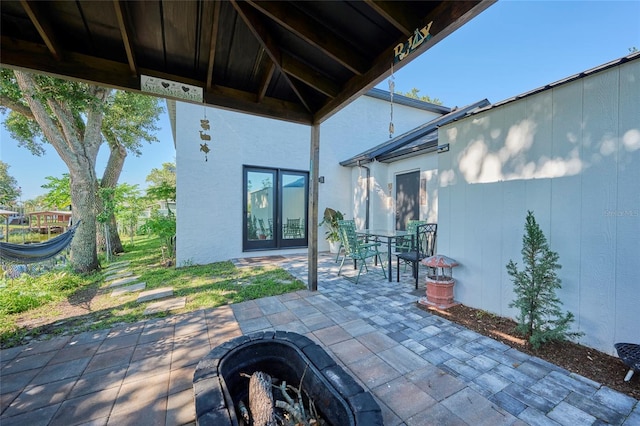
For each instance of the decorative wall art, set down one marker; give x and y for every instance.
(420, 35)
(205, 126)
(170, 88)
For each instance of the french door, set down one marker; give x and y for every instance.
(275, 208)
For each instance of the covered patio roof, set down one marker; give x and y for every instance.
(293, 60)
(300, 61)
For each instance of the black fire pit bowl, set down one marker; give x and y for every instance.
(218, 385)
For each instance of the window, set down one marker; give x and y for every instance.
(275, 208)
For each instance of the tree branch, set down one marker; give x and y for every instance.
(49, 128)
(16, 106)
(66, 123)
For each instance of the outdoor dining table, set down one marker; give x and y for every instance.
(389, 235)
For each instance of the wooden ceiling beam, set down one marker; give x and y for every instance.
(446, 19)
(237, 100)
(308, 75)
(34, 57)
(212, 45)
(266, 79)
(43, 27)
(252, 20)
(125, 32)
(307, 29)
(395, 14)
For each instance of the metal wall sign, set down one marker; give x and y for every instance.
(171, 89)
(420, 35)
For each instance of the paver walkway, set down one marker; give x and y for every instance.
(422, 369)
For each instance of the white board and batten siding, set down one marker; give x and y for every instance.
(571, 154)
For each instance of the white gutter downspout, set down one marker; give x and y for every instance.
(366, 217)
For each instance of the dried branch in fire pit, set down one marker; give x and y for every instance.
(262, 408)
(261, 400)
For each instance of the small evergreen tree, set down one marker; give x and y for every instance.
(541, 319)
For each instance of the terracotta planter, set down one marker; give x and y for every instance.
(439, 292)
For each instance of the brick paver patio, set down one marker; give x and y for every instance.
(420, 368)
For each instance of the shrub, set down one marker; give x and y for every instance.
(540, 319)
(163, 227)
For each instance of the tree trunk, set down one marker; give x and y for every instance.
(78, 145)
(112, 171)
(84, 255)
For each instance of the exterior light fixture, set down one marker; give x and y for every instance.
(443, 148)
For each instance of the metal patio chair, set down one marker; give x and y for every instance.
(357, 250)
(422, 246)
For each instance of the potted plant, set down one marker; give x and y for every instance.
(330, 220)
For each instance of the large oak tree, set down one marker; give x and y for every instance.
(76, 119)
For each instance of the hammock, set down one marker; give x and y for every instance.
(33, 253)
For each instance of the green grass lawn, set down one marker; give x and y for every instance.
(63, 302)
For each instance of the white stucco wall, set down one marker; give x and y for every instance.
(361, 125)
(382, 194)
(209, 194)
(570, 154)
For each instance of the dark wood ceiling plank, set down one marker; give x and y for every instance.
(309, 76)
(43, 27)
(212, 45)
(446, 18)
(125, 32)
(146, 18)
(395, 14)
(253, 22)
(181, 38)
(307, 29)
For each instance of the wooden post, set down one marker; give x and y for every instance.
(314, 167)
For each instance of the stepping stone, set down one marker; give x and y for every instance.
(128, 289)
(165, 305)
(118, 265)
(156, 293)
(123, 281)
(117, 275)
(111, 272)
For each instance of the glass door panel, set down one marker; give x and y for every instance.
(275, 208)
(294, 205)
(260, 208)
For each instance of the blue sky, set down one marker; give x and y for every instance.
(510, 48)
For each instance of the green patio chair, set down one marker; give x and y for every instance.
(405, 244)
(292, 229)
(341, 246)
(357, 250)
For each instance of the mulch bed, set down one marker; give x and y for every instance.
(587, 362)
